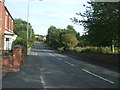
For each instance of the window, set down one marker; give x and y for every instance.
(7, 39)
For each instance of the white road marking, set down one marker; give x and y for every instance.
(61, 55)
(59, 58)
(98, 76)
(43, 83)
(36, 53)
(51, 54)
(69, 63)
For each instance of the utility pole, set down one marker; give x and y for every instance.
(28, 23)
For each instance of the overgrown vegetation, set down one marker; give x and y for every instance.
(101, 23)
(65, 38)
(20, 29)
(101, 26)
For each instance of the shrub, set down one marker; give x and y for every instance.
(71, 49)
(69, 40)
(30, 44)
(88, 50)
(60, 49)
(78, 49)
(7, 53)
(103, 50)
(20, 41)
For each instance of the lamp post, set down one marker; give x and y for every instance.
(28, 21)
(27, 25)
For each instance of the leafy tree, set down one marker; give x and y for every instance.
(100, 21)
(70, 30)
(20, 41)
(20, 29)
(54, 36)
(69, 40)
(83, 41)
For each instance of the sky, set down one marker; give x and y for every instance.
(46, 13)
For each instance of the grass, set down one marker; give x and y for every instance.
(96, 49)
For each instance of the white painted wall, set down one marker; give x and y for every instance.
(8, 44)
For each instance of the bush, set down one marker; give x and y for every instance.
(69, 40)
(97, 50)
(89, 50)
(60, 49)
(30, 44)
(71, 49)
(7, 53)
(78, 49)
(20, 41)
(103, 50)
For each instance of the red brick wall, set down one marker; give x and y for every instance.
(17, 57)
(3, 11)
(2, 21)
(13, 63)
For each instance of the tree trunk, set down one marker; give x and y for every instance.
(113, 46)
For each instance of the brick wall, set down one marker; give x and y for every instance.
(13, 63)
(6, 21)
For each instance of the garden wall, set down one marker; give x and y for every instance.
(14, 62)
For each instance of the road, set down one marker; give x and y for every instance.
(45, 68)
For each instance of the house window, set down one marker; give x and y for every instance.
(7, 44)
(7, 39)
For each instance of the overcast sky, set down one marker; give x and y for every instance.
(45, 13)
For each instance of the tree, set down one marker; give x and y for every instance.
(69, 40)
(20, 29)
(54, 36)
(100, 21)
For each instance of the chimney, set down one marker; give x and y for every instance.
(2, 0)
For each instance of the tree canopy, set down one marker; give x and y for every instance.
(101, 23)
(55, 36)
(20, 29)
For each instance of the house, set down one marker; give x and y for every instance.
(6, 27)
(37, 36)
(42, 37)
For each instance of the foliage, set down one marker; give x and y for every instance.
(20, 30)
(100, 21)
(93, 49)
(69, 40)
(60, 49)
(20, 41)
(55, 34)
(7, 53)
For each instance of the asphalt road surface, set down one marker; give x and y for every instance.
(45, 68)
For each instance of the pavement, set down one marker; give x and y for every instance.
(45, 68)
(4, 74)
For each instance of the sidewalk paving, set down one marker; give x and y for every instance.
(4, 74)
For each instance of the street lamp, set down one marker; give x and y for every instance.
(28, 22)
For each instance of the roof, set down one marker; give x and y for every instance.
(8, 12)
